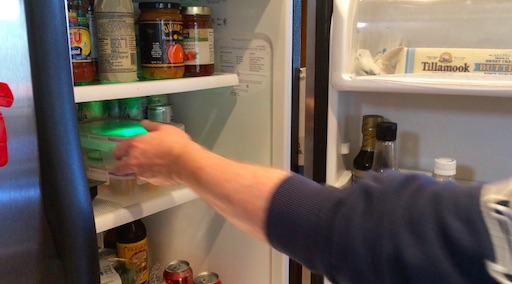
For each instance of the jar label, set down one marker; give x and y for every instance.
(161, 44)
(80, 42)
(138, 253)
(116, 43)
(198, 46)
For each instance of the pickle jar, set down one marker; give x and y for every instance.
(161, 41)
(198, 41)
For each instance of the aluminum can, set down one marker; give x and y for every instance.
(207, 277)
(112, 108)
(90, 111)
(158, 100)
(178, 272)
(134, 108)
(163, 113)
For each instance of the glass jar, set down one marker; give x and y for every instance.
(198, 41)
(161, 40)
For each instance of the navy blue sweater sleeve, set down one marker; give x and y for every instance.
(392, 228)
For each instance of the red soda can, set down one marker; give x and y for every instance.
(178, 272)
(207, 277)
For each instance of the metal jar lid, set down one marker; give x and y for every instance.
(159, 5)
(196, 10)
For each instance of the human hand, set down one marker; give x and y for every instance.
(155, 156)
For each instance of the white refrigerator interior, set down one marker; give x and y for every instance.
(242, 112)
(463, 115)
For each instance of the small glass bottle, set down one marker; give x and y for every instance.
(364, 159)
(132, 244)
(385, 157)
(445, 169)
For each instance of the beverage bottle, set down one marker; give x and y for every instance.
(132, 244)
(80, 42)
(444, 168)
(385, 157)
(364, 159)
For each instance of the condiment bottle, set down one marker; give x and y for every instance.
(115, 29)
(132, 244)
(80, 42)
(385, 157)
(364, 159)
(198, 41)
(445, 168)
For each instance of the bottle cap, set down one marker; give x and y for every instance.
(445, 166)
(386, 131)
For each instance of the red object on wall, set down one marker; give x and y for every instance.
(6, 100)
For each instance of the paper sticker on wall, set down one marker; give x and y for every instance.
(6, 100)
(250, 57)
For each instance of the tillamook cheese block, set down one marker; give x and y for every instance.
(455, 60)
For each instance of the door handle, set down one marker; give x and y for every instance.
(6, 100)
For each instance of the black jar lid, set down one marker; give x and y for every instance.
(386, 131)
(159, 5)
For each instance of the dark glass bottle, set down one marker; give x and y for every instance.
(385, 157)
(132, 244)
(364, 159)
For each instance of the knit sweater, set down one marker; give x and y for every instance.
(387, 228)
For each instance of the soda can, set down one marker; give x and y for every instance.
(161, 113)
(158, 100)
(207, 277)
(90, 111)
(112, 108)
(134, 108)
(178, 272)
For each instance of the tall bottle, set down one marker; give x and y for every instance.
(80, 42)
(364, 159)
(385, 157)
(132, 244)
(444, 168)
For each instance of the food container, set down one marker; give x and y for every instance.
(98, 138)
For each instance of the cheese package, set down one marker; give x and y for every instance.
(455, 60)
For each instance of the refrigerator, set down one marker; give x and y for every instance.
(52, 229)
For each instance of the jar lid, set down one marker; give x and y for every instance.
(196, 10)
(386, 131)
(445, 166)
(159, 5)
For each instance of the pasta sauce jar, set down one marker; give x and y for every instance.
(161, 40)
(198, 41)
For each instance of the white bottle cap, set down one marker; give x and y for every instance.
(445, 166)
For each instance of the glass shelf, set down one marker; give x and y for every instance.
(102, 92)
(109, 214)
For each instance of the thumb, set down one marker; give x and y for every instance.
(150, 125)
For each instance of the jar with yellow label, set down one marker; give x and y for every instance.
(161, 40)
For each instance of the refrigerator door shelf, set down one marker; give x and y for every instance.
(368, 36)
(102, 92)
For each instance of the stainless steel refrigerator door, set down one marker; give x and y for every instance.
(46, 218)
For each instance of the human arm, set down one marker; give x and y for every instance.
(386, 229)
(240, 192)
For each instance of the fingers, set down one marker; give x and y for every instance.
(150, 125)
(121, 150)
(122, 167)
